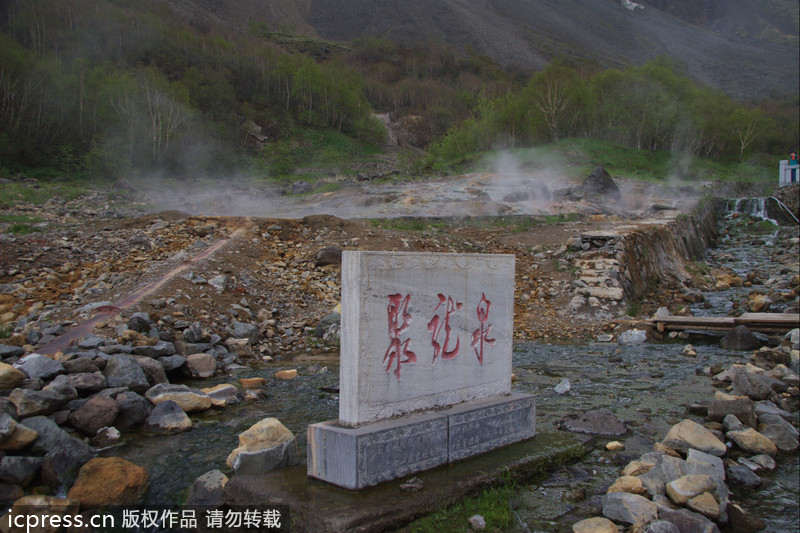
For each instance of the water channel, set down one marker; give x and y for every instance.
(648, 386)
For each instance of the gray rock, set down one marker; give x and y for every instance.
(200, 365)
(661, 526)
(666, 469)
(63, 386)
(168, 417)
(91, 342)
(219, 282)
(779, 431)
(33, 402)
(159, 349)
(742, 408)
(764, 461)
(153, 369)
(563, 386)
(38, 366)
(600, 183)
(80, 365)
(244, 330)
(7, 426)
(64, 454)
(10, 351)
(196, 334)
(124, 371)
(741, 475)
(629, 508)
(260, 461)
(105, 437)
(331, 255)
(331, 320)
(19, 470)
(767, 407)
(756, 386)
(698, 462)
(596, 422)
(731, 423)
(633, 336)
(172, 362)
(208, 489)
(740, 338)
(133, 410)
(88, 308)
(687, 521)
(140, 322)
(87, 382)
(96, 413)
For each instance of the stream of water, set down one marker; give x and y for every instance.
(647, 386)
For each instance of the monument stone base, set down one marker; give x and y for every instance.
(355, 458)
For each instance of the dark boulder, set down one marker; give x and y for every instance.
(599, 183)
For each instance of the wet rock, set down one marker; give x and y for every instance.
(133, 409)
(124, 371)
(19, 470)
(595, 525)
(140, 322)
(758, 303)
(107, 481)
(168, 417)
(172, 362)
(731, 423)
(331, 255)
(705, 504)
(88, 382)
(777, 430)
(764, 461)
(563, 387)
(10, 351)
(33, 402)
(208, 489)
(80, 365)
(266, 445)
(596, 422)
(754, 385)
(106, 436)
(159, 349)
(684, 488)
(741, 521)
(740, 338)
(252, 383)
(661, 526)
(689, 351)
(633, 336)
(201, 365)
(630, 484)
(689, 434)
(742, 408)
(741, 475)
(64, 454)
(687, 521)
(629, 508)
(188, 399)
(10, 377)
(615, 446)
(286, 375)
(153, 369)
(222, 395)
(769, 408)
(96, 413)
(38, 366)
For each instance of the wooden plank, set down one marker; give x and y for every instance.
(709, 320)
(769, 318)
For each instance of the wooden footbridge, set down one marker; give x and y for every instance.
(764, 322)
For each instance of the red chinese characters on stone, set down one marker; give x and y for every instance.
(481, 335)
(436, 325)
(399, 319)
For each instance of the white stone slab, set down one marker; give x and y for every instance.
(390, 364)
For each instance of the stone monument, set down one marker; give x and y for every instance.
(425, 370)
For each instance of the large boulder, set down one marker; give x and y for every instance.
(752, 384)
(36, 402)
(64, 454)
(600, 183)
(19, 470)
(10, 377)
(201, 365)
(107, 481)
(153, 369)
(38, 366)
(740, 338)
(133, 410)
(98, 412)
(20, 436)
(741, 407)
(629, 508)
(266, 445)
(775, 428)
(62, 386)
(123, 371)
(685, 488)
(688, 434)
(330, 255)
(189, 400)
(168, 417)
(208, 489)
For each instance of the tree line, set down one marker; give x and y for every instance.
(655, 106)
